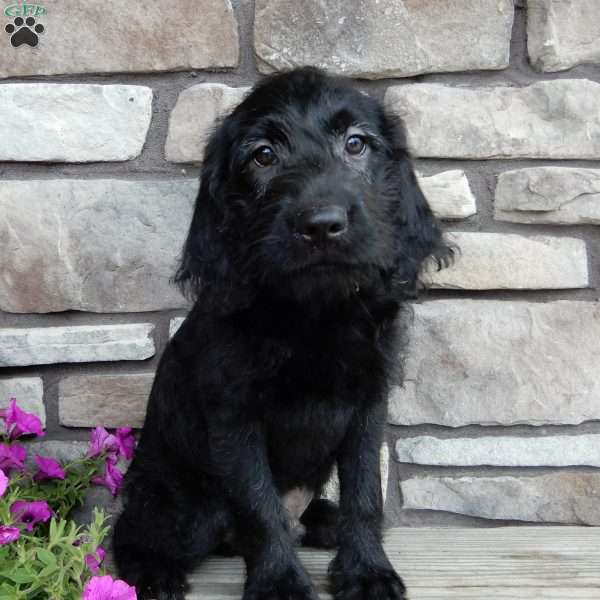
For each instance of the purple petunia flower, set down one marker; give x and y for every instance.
(31, 513)
(8, 534)
(49, 468)
(12, 457)
(112, 477)
(93, 561)
(105, 588)
(3, 482)
(126, 442)
(18, 422)
(102, 442)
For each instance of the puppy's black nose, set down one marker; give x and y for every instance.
(321, 224)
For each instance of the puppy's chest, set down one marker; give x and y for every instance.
(325, 366)
(304, 436)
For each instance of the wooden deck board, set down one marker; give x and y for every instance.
(527, 563)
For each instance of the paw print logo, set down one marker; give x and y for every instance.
(24, 31)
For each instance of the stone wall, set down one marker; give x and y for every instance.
(102, 126)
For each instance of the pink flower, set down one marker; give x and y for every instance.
(112, 478)
(93, 561)
(105, 588)
(3, 482)
(12, 457)
(48, 469)
(126, 442)
(8, 534)
(102, 442)
(18, 422)
(31, 513)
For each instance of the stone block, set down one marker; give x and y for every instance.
(101, 245)
(549, 195)
(127, 37)
(383, 38)
(116, 400)
(75, 344)
(561, 35)
(493, 362)
(557, 119)
(68, 122)
(492, 261)
(572, 498)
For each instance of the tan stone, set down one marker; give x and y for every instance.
(194, 117)
(495, 362)
(75, 344)
(502, 451)
(102, 245)
(549, 195)
(29, 393)
(117, 400)
(449, 195)
(69, 122)
(556, 498)
(114, 36)
(561, 35)
(383, 38)
(490, 261)
(548, 119)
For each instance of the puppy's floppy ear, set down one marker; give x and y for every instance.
(206, 270)
(418, 236)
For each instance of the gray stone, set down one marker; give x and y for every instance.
(101, 245)
(63, 451)
(449, 194)
(68, 122)
(174, 325)
(383, 38)
(561, 35)
(81, 343)
(331, 490)
(549, 195)
(194, 116)
(29, 392)
(127, 37)
(108, 400)
(502, 451)
(490, 261)
(496, 362)
(556, 498)
(548, 119)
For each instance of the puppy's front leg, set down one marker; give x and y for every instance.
(361, 569)
(274, 571)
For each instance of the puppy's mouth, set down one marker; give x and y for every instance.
(324, 266)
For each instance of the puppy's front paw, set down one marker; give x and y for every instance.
(291, 585)
(369, 584)
(162, 585)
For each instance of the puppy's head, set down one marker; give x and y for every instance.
(308, 192)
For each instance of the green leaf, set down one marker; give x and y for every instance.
(52, 529)
(46, 556)
(19, 576)
(46, 571)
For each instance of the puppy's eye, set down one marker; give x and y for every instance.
(355, 145)
(265, 156)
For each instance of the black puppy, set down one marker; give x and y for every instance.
(308, 234)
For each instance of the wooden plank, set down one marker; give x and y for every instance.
(504, 563)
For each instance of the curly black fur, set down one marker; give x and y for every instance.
(299, 269)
